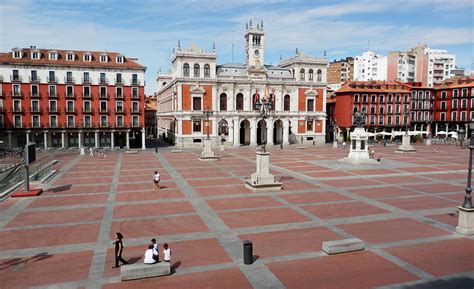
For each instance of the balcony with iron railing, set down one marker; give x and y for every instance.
(86, 95)
(69, 95)
(18, 125)
(17, 94)
(35, 94)
(53, 110)
(17, 109)
(16, 78)
(119, 124)
(70, 109)
(69, 80)
(53, 124)
(135, 82)
(87, 110)
(135, 110)
(119, 96)
(104, 124)
(120, 110)
(52, 94)
(86, 80)
(53, 79)
(35, 79)
(103, 81)
(135, 124)
(71, 124)
(104, 95)
(119, 81)
(103, 110)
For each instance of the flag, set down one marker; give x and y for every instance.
(267, 94)
(257, 96)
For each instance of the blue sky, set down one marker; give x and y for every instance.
(150, 29)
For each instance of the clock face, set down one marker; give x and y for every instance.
(256, 53)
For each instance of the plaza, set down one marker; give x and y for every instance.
(404, 210)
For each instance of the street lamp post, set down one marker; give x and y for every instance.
(466, 211)
(263, 106)
(207, 114)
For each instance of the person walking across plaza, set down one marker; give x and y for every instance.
(119, 250)
(166, 253)
(156, 181)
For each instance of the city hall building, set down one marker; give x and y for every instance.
(296, 88)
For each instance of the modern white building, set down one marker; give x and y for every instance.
(370, 66)
(296, 88)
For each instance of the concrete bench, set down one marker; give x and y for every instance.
(142, 270)
(131, 152)
(176, 151)
(343, 246)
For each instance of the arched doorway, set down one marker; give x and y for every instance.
(278, 132)
(262, 132)
(245, 132)
(223, 128)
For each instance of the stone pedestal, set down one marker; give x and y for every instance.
(207, 154)
(262, 180)
(221, 147)
(406, 146)
(428, 142)
(465, 221)
(334, 145)
(358, 153)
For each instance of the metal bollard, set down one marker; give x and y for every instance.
(248, 252)
(156, 150)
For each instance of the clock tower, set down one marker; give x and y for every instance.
(255, 40)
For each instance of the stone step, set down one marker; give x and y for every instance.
(142, 270)
(343, 246)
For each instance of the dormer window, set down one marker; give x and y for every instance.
(103, 58)
(53, 56)
(17, 54)
(35, 55)
(87, 57)
(119, 59)
(70, 57)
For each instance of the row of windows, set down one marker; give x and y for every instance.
(420, 116)
(381, 120)
(87, 57)
(197, 70)
(381, 98)
(319, 74)
(464, 93)
(420, 104)
(382, 109)
(86, 91)
(455, 102)
(70, 106)
(34, 77)
(455, 116)
(71, 121)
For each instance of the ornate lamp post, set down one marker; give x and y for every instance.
(466, 211)
(263, 106)
(335, 128)
(406, 147)
(207, 114)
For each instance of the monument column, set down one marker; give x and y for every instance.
(231, 131)
(269, 131)
(63, 139)
(236, 132)
(112, 139)
(45, 135)
(97, 139)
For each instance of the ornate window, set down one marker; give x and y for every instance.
(207, 70)
(286, 103)
(196, 70)
(186, 70)
(223, 102)
(319, 75)
(310, 74)
(302, 75)
(239, 102)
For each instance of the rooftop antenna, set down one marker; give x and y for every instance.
(324, 53)
(246, 26)
(296, 50)
(250, 23)
(179, 44)
(233, 45)
(281, 57)
(213, 46)
(368, 45)
(261, 24)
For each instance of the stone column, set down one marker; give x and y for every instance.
(446, 125)
(143, 139)
(457, 127)
(63, 139)
(28, 140)
(112, 140)
(79, 139)
(236, 132)
(45, 139)
(270, 131)
(214, 128)
(231, 131)
(9, 139)
(97, 139)
(253, 132)
(286, 132)
(466, 129)
(436, 129)
(127, 139)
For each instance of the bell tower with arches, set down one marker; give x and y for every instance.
(255, 44)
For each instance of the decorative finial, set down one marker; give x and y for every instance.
(324, 53)
(213, 46)
(297, 50)
(261, 24)
(281, 57)
(179, 43)
(246, 26)
(250, 23)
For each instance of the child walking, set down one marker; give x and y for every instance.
(156, 181)
(166, 253)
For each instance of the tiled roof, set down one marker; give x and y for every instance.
(457, 82)
(373, 86)
(128, 63)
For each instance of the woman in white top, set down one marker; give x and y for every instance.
(167, 253)
(149, 256)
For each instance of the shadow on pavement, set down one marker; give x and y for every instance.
(452, 283)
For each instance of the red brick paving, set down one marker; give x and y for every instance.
(162, 226)
(384, 192)
(242, 203)
(350, 183)
(450, 218)
(350, 270)
(80, 181)
(217, 279)
(69, 190)
(326, 174)
(215, 182)
(45, 237)
(4, 205)
(392, 230)
(420, 203)
(372, 172)
(332, 211)
(316, 197)
(439, 258)
(437, 188)
(68, 201)
(127, 187)
(281, 243)
(261, 217)
(144, 210)
(149, 195)
(37, 270)
(57, 217)
(400, 180)
(297, 185)
(224, 190)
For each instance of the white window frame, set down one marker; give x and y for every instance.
(106, 120)
(73, 106)
(119, 59)
(464, 92)
(472, 116)
(138, 106)
(73, 121)
(356, 98)
(51, 117)
(442, 116)
(117, 117)
(106, 105)
(455, 92)
(19, 90)
(117, 106)
(33, 120)
(87, 57)
(35, 55)
(55, 104)
(35, 101)
(133, 120)
(70, 57)
(463, 113)
(84, 89)
(84, 104)
(454, 104)
(17, 54)
(55, 90)
(137, 94)
(454, 116)
(15, 122)
(443, 94)
(389, 120)
(103, 58)
(87, 117)
(20, 107)
(53, 56)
